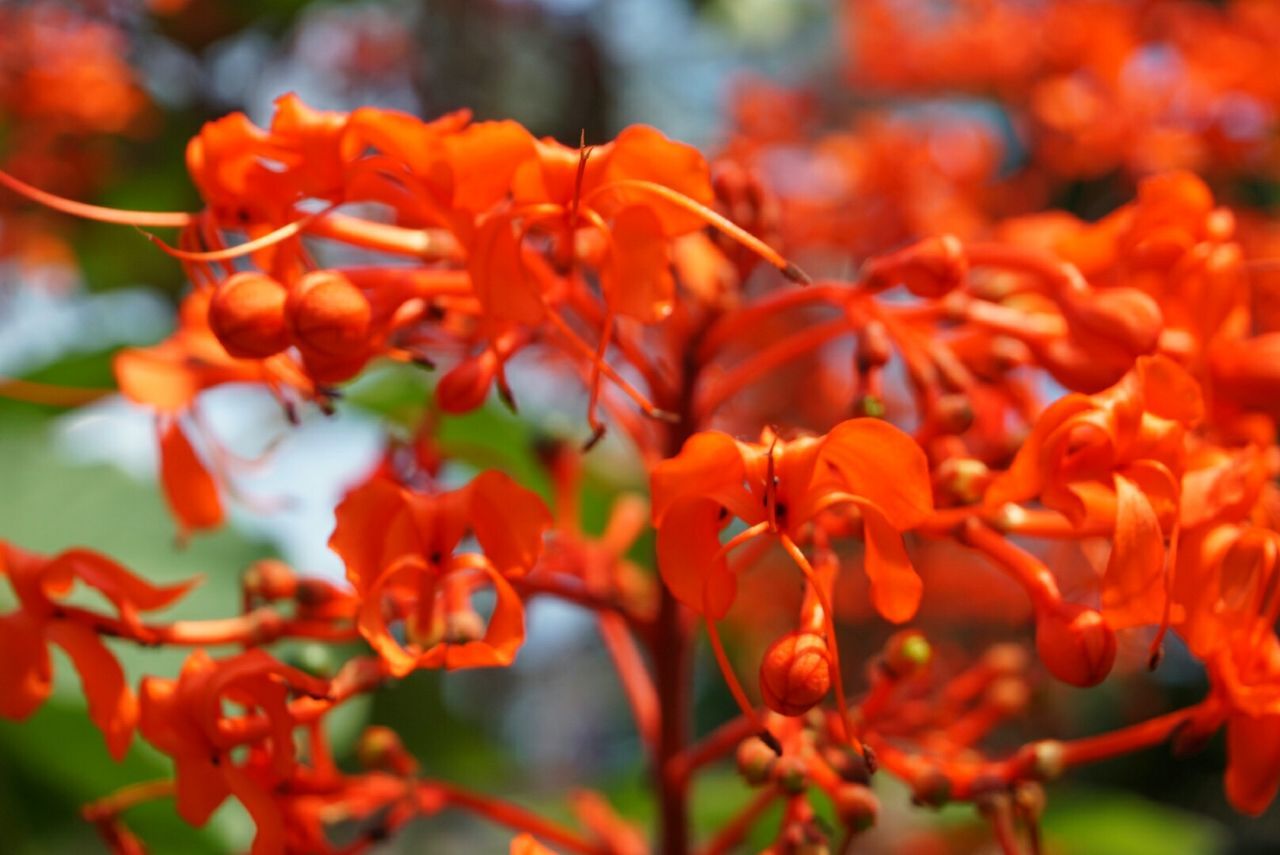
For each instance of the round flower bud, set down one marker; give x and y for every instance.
(246, 314)
(1076, 644)
(328, 316)
(270, 579)
(930, 268)
(856, 806)
(380, 748)
(906, 653)
(792, 774)
(796, 673)
(755, 761)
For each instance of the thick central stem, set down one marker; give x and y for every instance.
(672, 651)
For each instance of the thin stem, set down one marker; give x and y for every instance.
(637, 684)
(713, 746)
(769, 358)
(731, 834)
(513, 816)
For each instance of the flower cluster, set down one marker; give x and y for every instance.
(1078, 416)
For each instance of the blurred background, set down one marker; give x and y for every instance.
(819, 98)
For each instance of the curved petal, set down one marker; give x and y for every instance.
(883, 464)
(688, 542)
(118, 583)
(373, 527)
(26, 673)
(199, 786)
(262, 809)
(189, 488)
(1025, 477)
(508, 520)
(1133, 586)
(709, 466)
(637, 280)
(501, 641)
(896, 588)
(112, 705)
(498, 275)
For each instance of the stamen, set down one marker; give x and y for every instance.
(586, 350)
(116, 216)
(268, 240)
(716, 221)
(730, 678)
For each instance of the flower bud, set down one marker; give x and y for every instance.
(1007, 659)
(755, 761)
(796, 673)
(963, 479)
(953, 414)
(792, 774)
(906, 653)
(856, 806)
(270, 579)
(328, 316)
(464, 387)
(380, 748)
(1076, 644)
(246, 314)
(1125, 318)
(931, 268)
(1049, 761)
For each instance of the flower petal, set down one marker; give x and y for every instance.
(112, 705)
(1133, 587)
(688, 542)
(26, 673)
(896, 588)
(878, 461)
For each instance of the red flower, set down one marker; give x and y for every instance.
(26, 671)
(399, 545)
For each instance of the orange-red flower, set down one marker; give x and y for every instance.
(399, 549)
(26, 670)
(781, 486)
(1116, 457)
(185, 719)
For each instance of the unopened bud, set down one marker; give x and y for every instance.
(963, 479)
(953, 413)
(1007, 658)
(931, 268)
(328, 316)
(1076, 644)
(379, 748)
(796, 673)
(931, 788)
(246, 314)
(755, 761)
(849, 764)
(1049, 760)
(906, 653)
(1008, 695)
(856, 806)
(792, 774)
(270, 579)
